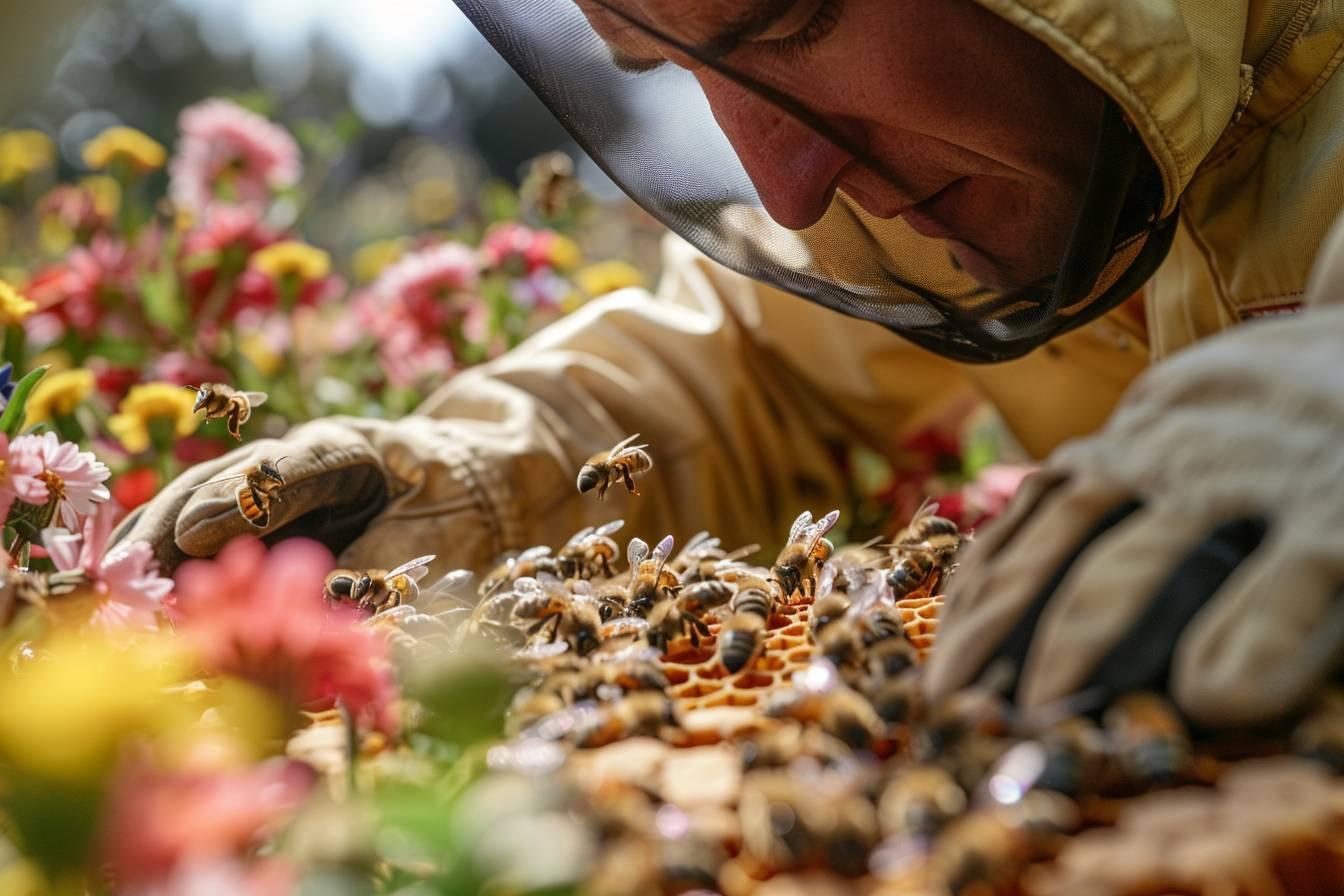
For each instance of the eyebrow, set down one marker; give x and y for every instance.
(758, 19)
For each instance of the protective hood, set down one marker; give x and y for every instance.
(1170, 68)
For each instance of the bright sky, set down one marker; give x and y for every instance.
(395, 45)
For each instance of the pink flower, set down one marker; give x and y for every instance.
(126, 582)
(48, 468)
(178, 832)
(11, 467)
(79, 291)
(519, 249)
(409, 357)
(229, 154)
(311, 655)
(75, 207)
(421, 287)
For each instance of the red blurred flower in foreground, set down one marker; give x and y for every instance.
(186, 832)
(230, 154)
(259, 615)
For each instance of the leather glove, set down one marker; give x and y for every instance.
(1193, 545)
(377, 493)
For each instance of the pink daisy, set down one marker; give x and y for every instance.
(230, 154)
(422, 286)
(46, 468)
(11, 467)
(126, 580)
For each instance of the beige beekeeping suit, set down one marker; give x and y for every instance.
(740, 389)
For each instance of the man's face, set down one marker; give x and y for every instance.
(965, 126)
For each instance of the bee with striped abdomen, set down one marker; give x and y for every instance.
(221, 402)
(261, 485)
(589, 552)
(623, 463)
(378, 589)
(797, 566)
(743, 635)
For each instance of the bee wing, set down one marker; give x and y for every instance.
(217, 481)
(620, 446)
(609, 528)
(820, 528)
(927, 507)
(745, 551)
(530, 554)
(661, 553)
(624, 625)
(415, 569)
(255, 398)
(635, 554)
(625, 452)
(803, 521)
(579, 536)
(542, 650)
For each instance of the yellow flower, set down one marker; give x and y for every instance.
(57, 395)
(24, 153)
(63, 717)
(105, 192)
(13, 307)
(608, 276)
(291, 258)
(255, 348)
(146, 403)
(372, 258)
(136, 149)
(564, 253)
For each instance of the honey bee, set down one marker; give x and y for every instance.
(703, 559)
(787, 824)
(261, 485)
(21, 586)
(529, 564)
(779, 746)
(899, 699)
(918, 801)
(550, 183)
(926, 530)
(1076, 756)
(623, 463)
(797, 566)
(827, 610)
(674, 618)
(573, 619)
(986, 850)
(650, 581)
(915, 568)
(1148, 739)
(221, 402)
(589, 552)
(743, 634)
(819, 696)
(378, 589)
(643, 713)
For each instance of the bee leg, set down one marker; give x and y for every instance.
(606, 567)
(235, 428)
(629, 482)
(602, 488)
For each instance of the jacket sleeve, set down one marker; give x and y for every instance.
(740, 391)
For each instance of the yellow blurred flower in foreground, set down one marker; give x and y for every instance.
(139, 151)
(13, 307)
(24, 153)
(57, 395)
(291, 258)
(564, 253)
(371, 258)
(256, 348)
(64, 715)
(608, 276)
(146, 403)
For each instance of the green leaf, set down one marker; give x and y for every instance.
(12, 418)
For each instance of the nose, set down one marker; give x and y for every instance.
(793, 168)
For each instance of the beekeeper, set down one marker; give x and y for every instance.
(1085, 193)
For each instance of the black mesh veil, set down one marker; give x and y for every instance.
(654, 134)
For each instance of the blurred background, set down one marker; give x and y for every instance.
(402, 109)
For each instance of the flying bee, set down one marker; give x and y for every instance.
(743, 635)
(572, 619)
(378, 589)
(261, 485)
(934, 533)
(918, 801)
(589, 552)
(797, 566)
(21, 586)
(550, 183)
(623, 463)
(529, 564)
(684, 615)
(221, 402)
(1149, 740)
(650, 581)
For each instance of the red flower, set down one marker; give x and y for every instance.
(113, 380)
(259, 615)
(518, 248)
(135, 487)
(169, 825)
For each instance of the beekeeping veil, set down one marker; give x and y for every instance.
(653, 132)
